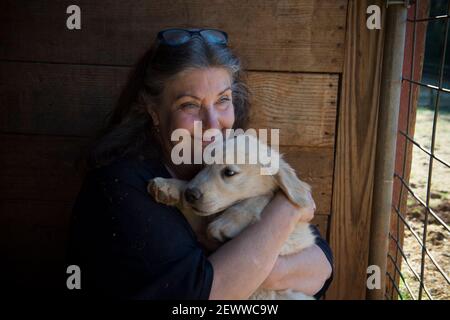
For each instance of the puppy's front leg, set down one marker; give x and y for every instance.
(166, 191)
(170, 192)
(237, 217)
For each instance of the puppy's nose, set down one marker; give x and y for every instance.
(192, 194)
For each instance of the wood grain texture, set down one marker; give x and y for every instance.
(314, 166)
(57, 86)
(286, 35)
(74, 100)
(302, 106)
(57, 99)
(45, 168)
(355, 154)
(40, 167)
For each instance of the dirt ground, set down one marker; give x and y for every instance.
(438, 238)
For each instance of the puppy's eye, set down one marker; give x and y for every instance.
(227, 172)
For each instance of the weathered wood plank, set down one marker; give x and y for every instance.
(302, 106)
(355, 154)
(314, 166)
(57, 99)
(74, 100)
(40, 167)
(46, 168)
(287, 35)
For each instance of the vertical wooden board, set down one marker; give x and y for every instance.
(355, 153)
(269, 34)
(302, 106)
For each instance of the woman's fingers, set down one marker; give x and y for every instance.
(305, 214)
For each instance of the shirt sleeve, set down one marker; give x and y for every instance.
(129, 246)
(328, 253)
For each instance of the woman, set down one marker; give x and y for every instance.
(129, 246)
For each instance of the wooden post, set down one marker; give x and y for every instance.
(355, 152)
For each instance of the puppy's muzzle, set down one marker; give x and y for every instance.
(192, 195)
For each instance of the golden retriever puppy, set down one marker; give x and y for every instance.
(235, 195)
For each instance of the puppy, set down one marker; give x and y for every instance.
(235, 195)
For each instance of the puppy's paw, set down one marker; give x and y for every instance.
(224, 228)
(163, 192)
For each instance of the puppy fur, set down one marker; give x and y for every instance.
(235, 195)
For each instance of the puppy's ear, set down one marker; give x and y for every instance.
(297, 191)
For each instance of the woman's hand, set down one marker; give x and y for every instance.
(282, 203)
(305, 271)
(307, 213)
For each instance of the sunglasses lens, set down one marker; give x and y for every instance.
(214, 36)
(175, 37)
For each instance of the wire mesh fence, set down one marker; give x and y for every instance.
(418, 268)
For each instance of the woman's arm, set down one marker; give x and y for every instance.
(305, 271)
(242, 264)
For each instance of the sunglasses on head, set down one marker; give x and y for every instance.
(175, 36)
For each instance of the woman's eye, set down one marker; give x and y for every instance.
(229, 172)
(224, 99)
(223, 103)
(189, 107)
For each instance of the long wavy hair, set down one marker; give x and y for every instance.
(129, 130)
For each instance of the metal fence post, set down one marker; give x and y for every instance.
(391, 81)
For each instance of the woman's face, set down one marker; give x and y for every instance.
(198, 95)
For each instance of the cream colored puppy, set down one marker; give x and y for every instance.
(239, 193)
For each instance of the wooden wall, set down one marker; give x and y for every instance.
(57, 85)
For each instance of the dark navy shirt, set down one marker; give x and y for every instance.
(129, 246)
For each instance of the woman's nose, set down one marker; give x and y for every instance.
(211, 119)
